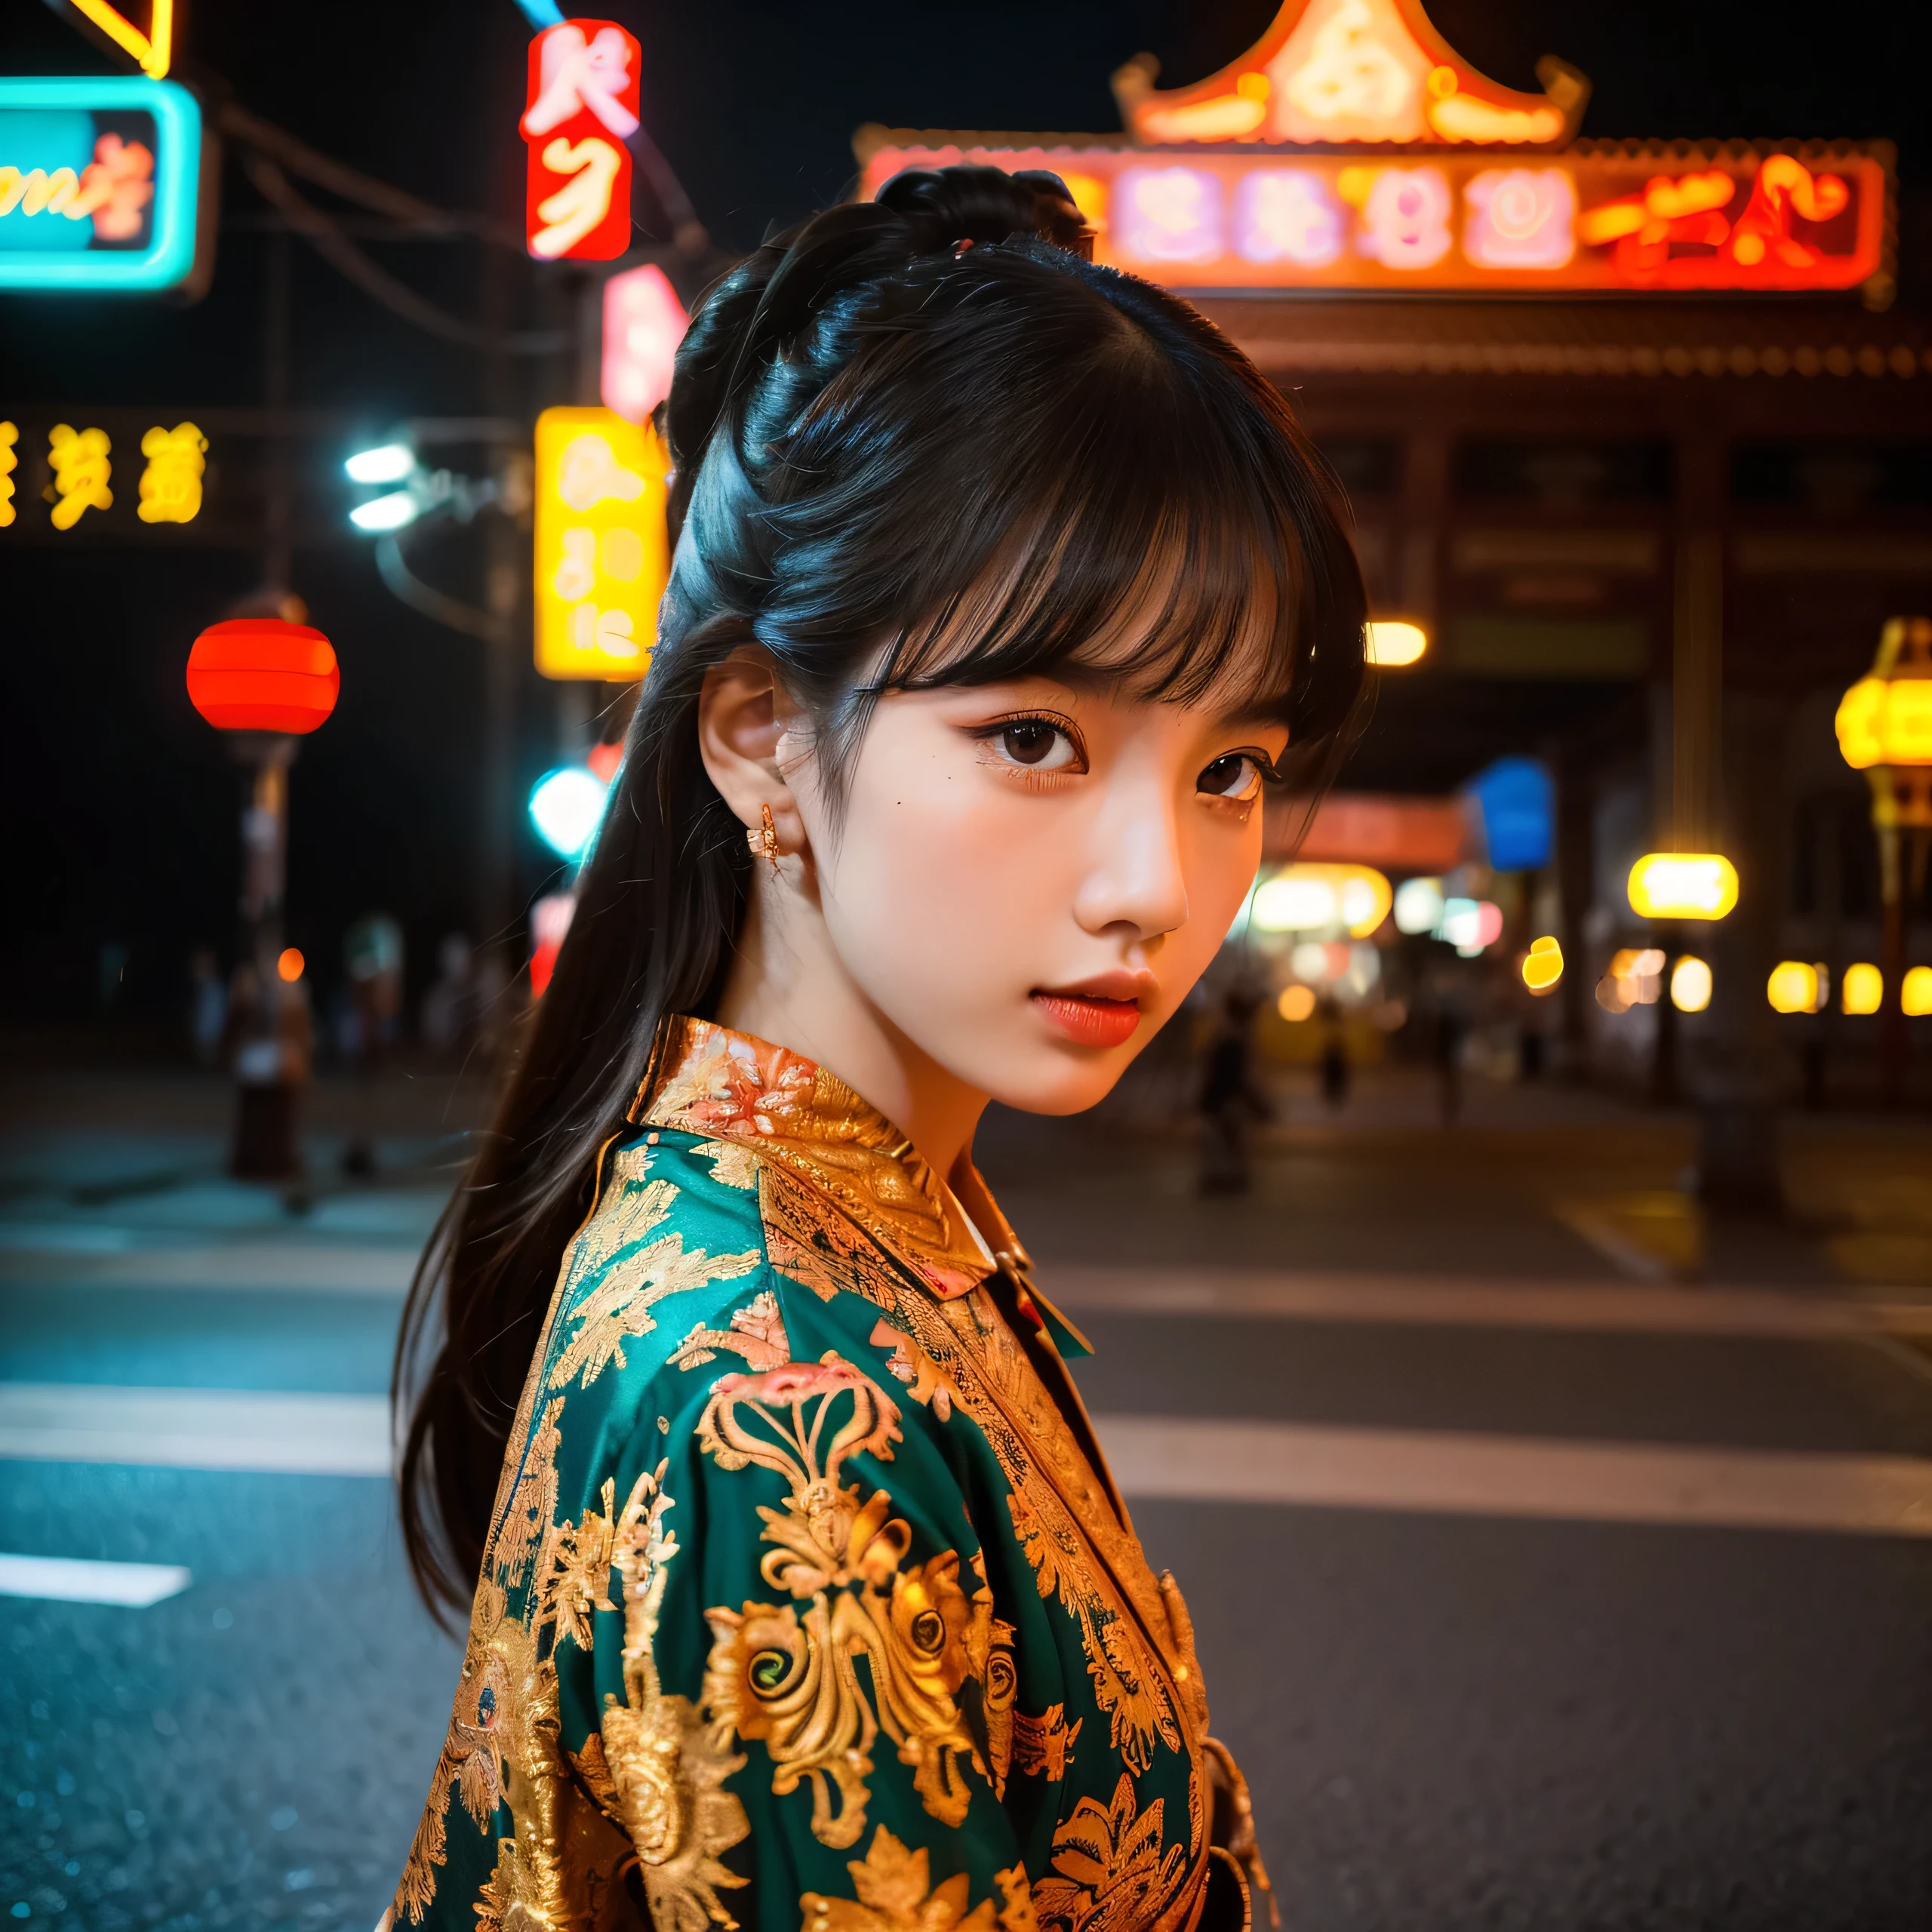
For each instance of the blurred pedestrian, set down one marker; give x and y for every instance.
(1452, 1036)
(372, 951)
(449, 1008)
(1334, 1052)
(1230, 1099)
(207, 1006)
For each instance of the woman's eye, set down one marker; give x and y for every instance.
(1038, 743)
(1236, 777)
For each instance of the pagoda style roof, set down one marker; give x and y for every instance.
(1334, 72)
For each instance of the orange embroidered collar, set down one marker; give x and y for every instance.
(729, 1086)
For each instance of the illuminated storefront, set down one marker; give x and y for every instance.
(1634, 429)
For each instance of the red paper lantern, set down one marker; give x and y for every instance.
(261, 674)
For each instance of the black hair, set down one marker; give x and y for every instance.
(922, 440)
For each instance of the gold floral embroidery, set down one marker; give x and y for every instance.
(619, 1307)
(575, 1573)
(732, 1163)
(666, 1767)
(1110, 1872)
(785, 1676)
(925, 1380)
(1043, 1746)
(896, 1894)
(501, 1702)
(757, 1333)
(533, 1503)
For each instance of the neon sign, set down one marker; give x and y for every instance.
(171, 483)
(643, 322)
(603, 552)
(581, 109)
(1597, 219)
(88, 206)
(10, 435)
(1351, 148)
(79, 461)
(151, 50)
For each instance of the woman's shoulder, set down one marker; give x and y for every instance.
(675, 1243)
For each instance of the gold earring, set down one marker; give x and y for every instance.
(764, 840)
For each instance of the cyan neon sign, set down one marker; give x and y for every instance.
(100, 181)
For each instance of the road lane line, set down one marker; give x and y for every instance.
(319, 1267)
(196, 1428)
(1451, 1301)
(1446, 1472)
(70, 1579)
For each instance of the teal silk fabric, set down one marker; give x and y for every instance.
(807, 1600)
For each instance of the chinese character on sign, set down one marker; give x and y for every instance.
(1520, 218)
(171, 483)
(1168, 214)
(1287, 214)
(10, 435)
(583, 106)
(1404, 217)
(81, 470)
(602, 550)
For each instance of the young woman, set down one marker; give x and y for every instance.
(804, 1597)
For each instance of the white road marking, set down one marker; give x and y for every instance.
(1444, 1472)
(196, 1428)
(321, 1267)
(70, 1580)
(1452, 1301)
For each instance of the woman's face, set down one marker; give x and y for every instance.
(1027, 878)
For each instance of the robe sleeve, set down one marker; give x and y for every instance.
(794, 1675)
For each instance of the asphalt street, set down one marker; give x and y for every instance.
(1572, 1687)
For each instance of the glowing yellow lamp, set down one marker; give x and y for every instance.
(1396, 640)
(1297, 1002)
(1794, 987)
(1915, 992)
(1886, 720)
(1690, 985)
(1543, 965)
(1683, 885)
(1863, 989)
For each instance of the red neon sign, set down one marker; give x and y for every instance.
(581, 109)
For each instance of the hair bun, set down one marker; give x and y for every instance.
(945, 206)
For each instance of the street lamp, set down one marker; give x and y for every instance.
(1884, 730)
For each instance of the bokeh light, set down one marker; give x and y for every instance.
(1394, 640)
(567, 806)
(1795, 987)
(1543, 965)
(1915, 994)
(1297, 1002)
(290, 964)
(1863, 990)
(1690, 984)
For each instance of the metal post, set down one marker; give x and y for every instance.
(267, 1066)
(277, 562)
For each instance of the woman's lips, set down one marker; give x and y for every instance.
(1091, 1018)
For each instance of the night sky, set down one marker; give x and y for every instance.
(116, 803)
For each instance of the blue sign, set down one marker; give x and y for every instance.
(1518, 802)
(100, 183)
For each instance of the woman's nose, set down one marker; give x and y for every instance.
(1136, 876)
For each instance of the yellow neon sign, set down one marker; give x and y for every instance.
(171, 483)
(603, 551)
(151, 51)
(10, 435)
(81, 471)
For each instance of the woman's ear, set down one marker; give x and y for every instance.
(743, 713)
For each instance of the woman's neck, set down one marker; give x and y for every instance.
(789, 986)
